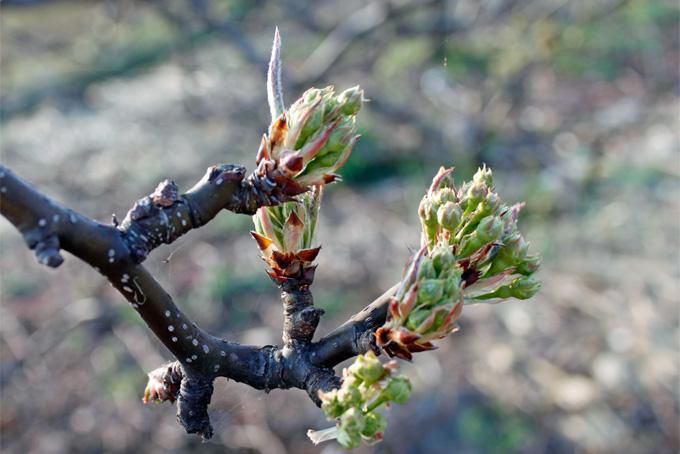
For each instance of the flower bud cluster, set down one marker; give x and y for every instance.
(472, 251)
(285, 234)
(367, 386)
(309, 142)
(426, 306)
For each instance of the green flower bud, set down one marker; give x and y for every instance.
(529, 265)
(331, 405)
(524, 288)
(374, 424)
(448, 216)
(398, 390)
(512, 254)
(521, 288)
(469, 244)
(444, 195)
(312, 125)
(351, 100)
(368, 368)
(442, 259)
(483, 176)
(350, 396)
(475, 194)
(489, 229)
(318, 132)
(339, 138)
(417, 317)
(517, 245)
(427, 212)
(452, 284)
(350, 426)
(430, 291)
(426, 269)
(493, 201)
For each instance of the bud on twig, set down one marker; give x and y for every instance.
(367, 386)
(472, 251)
(285, 235)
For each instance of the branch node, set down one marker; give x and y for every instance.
(165, 194)
(46, 246)
(300, 316)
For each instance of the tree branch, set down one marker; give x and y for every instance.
(355, 336)
(115, 251)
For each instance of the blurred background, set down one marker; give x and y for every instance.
(572, 103)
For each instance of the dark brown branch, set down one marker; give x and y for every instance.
(355, 336)
(159, 218)
(164, 215)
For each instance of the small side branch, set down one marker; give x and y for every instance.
(164, 215)
(355, 336)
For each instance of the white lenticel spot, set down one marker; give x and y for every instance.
(55, 218)
(42, 223)
(219, 181)
(223, 353)
(194, 357)
(184, 325)
(195, 342)
(188, 360)
(127, 289)
(205, 349)
(174, 339)
(171, 328)
(112, 252)
(184, 222)
(167, 313)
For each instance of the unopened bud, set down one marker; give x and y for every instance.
(493, 201)
(368, 368)
(448, 216)
(350, 427)
(427, 212)
(350, 396)
(444, 195)
(484, 176)
(351, 100)
(529, 265)
(398, 390)
(430, 291)
(489, 229)
(374, 425)
(426, 269)
(442, 259)
(340, 136)
(475, 193)
(331, 404)
(524, 288)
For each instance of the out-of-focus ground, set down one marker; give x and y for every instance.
(573, 104)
